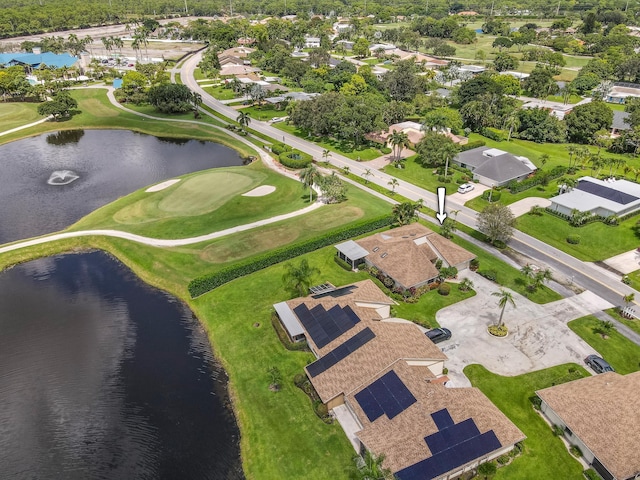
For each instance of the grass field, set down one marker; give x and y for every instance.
(220, 93)
(422, 177)
(597, 240)
(210, 200)
(359, 153)
(618, 350)
(632, 324)
(16, 114)
(263, 112)
(150, 110)
(545, 455)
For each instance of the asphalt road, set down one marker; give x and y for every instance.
(579, 273)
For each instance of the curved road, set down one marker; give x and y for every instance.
(580, 273)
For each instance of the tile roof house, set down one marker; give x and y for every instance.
(599, 414)
(425, 429)
(385, 377)
(415, 133)
(407, 254)
(494, 167)
(600, 197)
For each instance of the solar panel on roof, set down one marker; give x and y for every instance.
(324, 326)
(353, 316)
(369, 405)
(442, 419)
(461, 445)
(340, 352)
(320, 289)
(606, 192)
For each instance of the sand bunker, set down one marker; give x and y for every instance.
(260, 191)
(162, 186)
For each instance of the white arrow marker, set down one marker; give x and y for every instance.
(441, 215)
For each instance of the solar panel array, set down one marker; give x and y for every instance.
(606, 192)
(452, 446)
(340, 352)
(387, 395)
(320, 289)
(324, 326)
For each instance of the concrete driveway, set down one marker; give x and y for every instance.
(461, 198)
(538, 334)
(523, 206)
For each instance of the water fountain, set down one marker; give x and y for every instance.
(62, 177)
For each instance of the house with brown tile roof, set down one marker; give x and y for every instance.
(426, 430)
(407, 254)
(600, 416)
(364, 297)
(388, 342)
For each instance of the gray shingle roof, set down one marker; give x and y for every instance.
(500, 168)
(620, 120)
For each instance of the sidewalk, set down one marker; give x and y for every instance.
(29, 125)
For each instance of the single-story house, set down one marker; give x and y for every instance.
(557, 109)
(312, 42)
(382, 47)
(347, 44)
(414, 132)
(33, 61)
(600, 197)
(426, 60)
(518, 75)
(468, 13)
(473, 69)
(599, 415)
(406, 254)
(620, 91)
(240, 52)
(493, 167)
(620, 123)
(236, 70)
(290, 96)
(425, 430)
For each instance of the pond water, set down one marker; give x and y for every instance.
(104, 377)
(36, 198)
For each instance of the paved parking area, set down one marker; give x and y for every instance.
(538, 334)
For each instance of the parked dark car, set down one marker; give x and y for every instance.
(438, 335)
(598, 364)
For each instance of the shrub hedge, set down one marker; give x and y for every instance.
(472, 145)
(206, 283)
(573, 239)
(279, 148)
(540, 177)
(494, 134)
(295, 159)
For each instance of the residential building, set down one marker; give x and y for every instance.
(620, 123)
(312, 42)
(406, 254)
(493, 167)
(383, 379)
(414, 132)
(557, 109)
(621, 91)
(33, 61)
(600, 197)
(599, 415)
(473, 69)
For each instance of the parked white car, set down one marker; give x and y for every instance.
(465, 187)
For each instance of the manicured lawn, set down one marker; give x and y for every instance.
(507, 198)
(618, 350)
(358, 153)
(220, 93)
(150, 110)
(211, 200)
(424, 177)
(545, 456)
(597, 240)
(572, 99)
(632, 324)
(423, 312)
(264, 112)
(16, 114)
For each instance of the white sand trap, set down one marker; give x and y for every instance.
(260, 191)
(162, 186)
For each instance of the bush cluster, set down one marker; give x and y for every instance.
(472, 145)
(279, 148)
(540, 178)
(295, 159)
(444, 289)
(206, 283)
(489, 274)
(495, 195)
(385, 150)
(494, 134)
(573, 239)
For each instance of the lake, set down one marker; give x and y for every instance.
(104, 377)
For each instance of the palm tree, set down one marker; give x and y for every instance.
(298, 278)
(504, 297)
(369, 467)
(512, 122)
(448, 151)
(326, 154)
(196, 99)
(394, 183)
(367, 173)
(346, 170)
(627, 299)
(571, 150)
(398, 141)
(405, 213)
(244, 120)
(309, 176)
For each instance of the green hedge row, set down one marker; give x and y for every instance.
(540, 177)
(206, 283)
(295, 159)
(472, 145)
(494, 134)
(279, 148)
